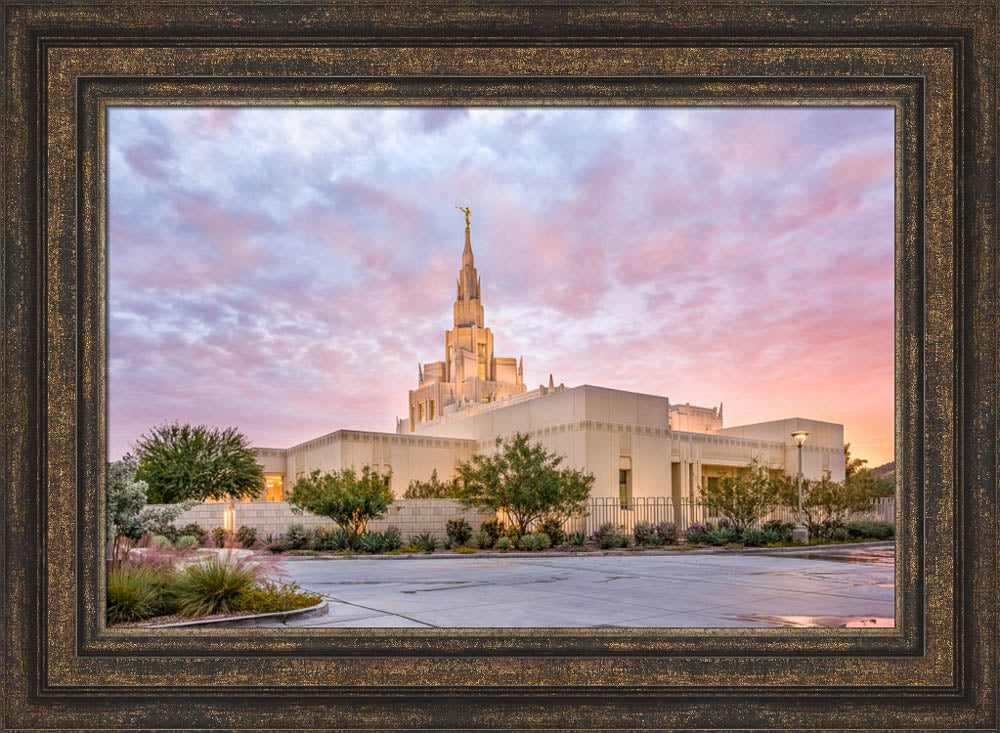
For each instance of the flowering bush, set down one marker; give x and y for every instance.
(698, 533)
(643, 533)
(667, 532)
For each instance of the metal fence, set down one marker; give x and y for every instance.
(684, 513)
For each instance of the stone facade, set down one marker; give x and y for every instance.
(411, 516)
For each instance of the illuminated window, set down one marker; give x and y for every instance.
(411, 418)
(431, 411)
(486, 398)
(624, 487)
(273, 488)
(482, 362)
(420, 409)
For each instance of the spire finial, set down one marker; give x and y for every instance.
(467, 211)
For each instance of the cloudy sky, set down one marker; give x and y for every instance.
(285, 270)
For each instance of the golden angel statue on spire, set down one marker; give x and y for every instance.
(467, 211)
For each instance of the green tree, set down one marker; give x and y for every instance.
(525, 481)
(852, 465)
(127, 518)
(828, 504)
(745, 497)
(181, 462)
(348, 498)
(432, 489)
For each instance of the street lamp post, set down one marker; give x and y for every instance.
(800, 533)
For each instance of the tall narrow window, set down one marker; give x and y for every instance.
(411, 418)
(624, 487)
(420, 408)
(482, 362)
(431, 414)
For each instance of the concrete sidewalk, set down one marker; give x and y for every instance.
(843, 586)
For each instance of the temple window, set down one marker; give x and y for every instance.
(420, 408)
(273, 487)
(482, 362)
(431, 412)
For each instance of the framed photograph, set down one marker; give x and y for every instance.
(240, 226)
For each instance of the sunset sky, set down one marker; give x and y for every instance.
(285, 270)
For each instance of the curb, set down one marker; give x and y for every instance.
(235, 621)
(591, 553)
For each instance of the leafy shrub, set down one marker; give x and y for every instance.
(274, 597)
(667, 532)
(391, 541)
(159, 542)
(426, 541)
(577, 539)
(870, 530)
(134, 594)
(608, 535)
(186, 542)
(194, 530)
(783, 530)
(210, 587)
(350, 499)
(246, 536)
(840, 534)
(371, 542)
(221, 536)
(643, 533)
(458, 532)
(327, 538)
(296, 537)
(495, 529)
(504, 543)
(463, 550)
(409, 547)
(432, 489)
(725, 524)
(553, 528)
(484, 540)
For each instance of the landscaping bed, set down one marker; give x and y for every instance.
(495, 539)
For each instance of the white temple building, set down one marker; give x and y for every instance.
(636, 445)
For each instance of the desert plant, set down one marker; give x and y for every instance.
(186, 542)
(329, 538)
(426, 541)
(723, 536)
(159, 542)
(552, 526)
(458, 532)
(210, 587)
(463, 550)
(782, 530)
(494, 527)
(371, 542)
(246, 536)
(221, 537)
(181, 462)
(391, 540)
(483, 540)
(348, 498)
(194, 530)
(643, 533)
(577, 539)
(134, 594)
(296, 537)
(753, 537)
(503, 544)
(524, 480)
(609, 535)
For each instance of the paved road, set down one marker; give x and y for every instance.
(850, 586)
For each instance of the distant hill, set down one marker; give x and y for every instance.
(886, 469)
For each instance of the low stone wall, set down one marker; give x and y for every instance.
(412, 516)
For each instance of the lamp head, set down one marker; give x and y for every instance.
(800, 437)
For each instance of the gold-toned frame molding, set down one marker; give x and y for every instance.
(66, 63)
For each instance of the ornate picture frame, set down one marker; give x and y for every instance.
(65, 64)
